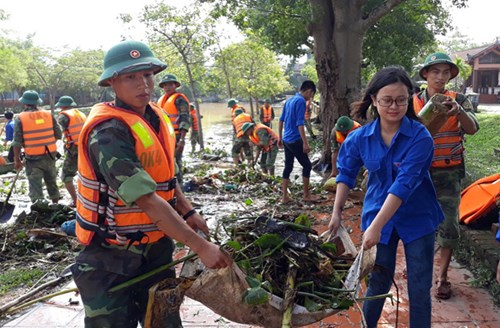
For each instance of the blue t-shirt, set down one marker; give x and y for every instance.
(498, 231)
(292, 117)
(401, 169)
(9, 131)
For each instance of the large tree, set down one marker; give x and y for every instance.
(185, 31)
(335, 31)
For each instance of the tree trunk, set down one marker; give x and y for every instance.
(338, 40)
(250, 100)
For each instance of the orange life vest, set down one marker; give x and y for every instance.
(267, 114)
(235, 108)
(307, 115)
(168, 104)
(194, 117)
(76, 120)
(99, 210)
(238, 122)
(479, 199)
(273, 140)
(38, 132)
(340, 137)
(448, 142)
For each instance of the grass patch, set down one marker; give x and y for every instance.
(480, 160)
(12, 279)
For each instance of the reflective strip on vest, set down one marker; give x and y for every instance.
(168, 104)
(38, 132)
(76, 121)
(100, 211)
(238, 122)
(448, 141)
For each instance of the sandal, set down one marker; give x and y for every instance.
(443, 290)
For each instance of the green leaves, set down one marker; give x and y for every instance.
(269, 240)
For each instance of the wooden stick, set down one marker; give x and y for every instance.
(21, 298)
(43, 298)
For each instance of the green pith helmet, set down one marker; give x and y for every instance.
(238, 111)
(129, 57)
(231, 102)
(267, 101)
(169, 78)
(30, 97)
(344, 124)
(192, 106)
(439, 58)
(65, 101)
(246, 126)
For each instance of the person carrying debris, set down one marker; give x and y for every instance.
(129, 206)
(340, 131)
(71, 121)
(267, 114)
(293, 138)
(195, 128)
(36, 130)
(447, 169)
(266, 141)
(176, 104)
(400, 201)
(241, 142)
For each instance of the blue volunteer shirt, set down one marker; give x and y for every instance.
(402, 169)
(9, 131)
(292, 117)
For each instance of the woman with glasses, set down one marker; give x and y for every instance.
(400, 201)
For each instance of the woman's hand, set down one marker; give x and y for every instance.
(371, 237)
(334, 224)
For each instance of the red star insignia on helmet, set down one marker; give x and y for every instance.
(433, 57)
(135, 54)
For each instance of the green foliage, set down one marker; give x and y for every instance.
(268, 240)
(480, 160)
(250, 69)
(304, 220)
(16, 278)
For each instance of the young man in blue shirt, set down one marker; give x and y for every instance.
(294, 139)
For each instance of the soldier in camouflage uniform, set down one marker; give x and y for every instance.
(38, 138)
(110, 148)
(176, 104)
(70, 164)
(447, 167)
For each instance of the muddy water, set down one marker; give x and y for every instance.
(217, 129)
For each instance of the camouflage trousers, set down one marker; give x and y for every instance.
(195, 139)
(447, 182)
(70, 164)
(101, 266)
(241, 143)
(38, 170)
(268, 159)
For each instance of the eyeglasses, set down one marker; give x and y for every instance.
(387, 102)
